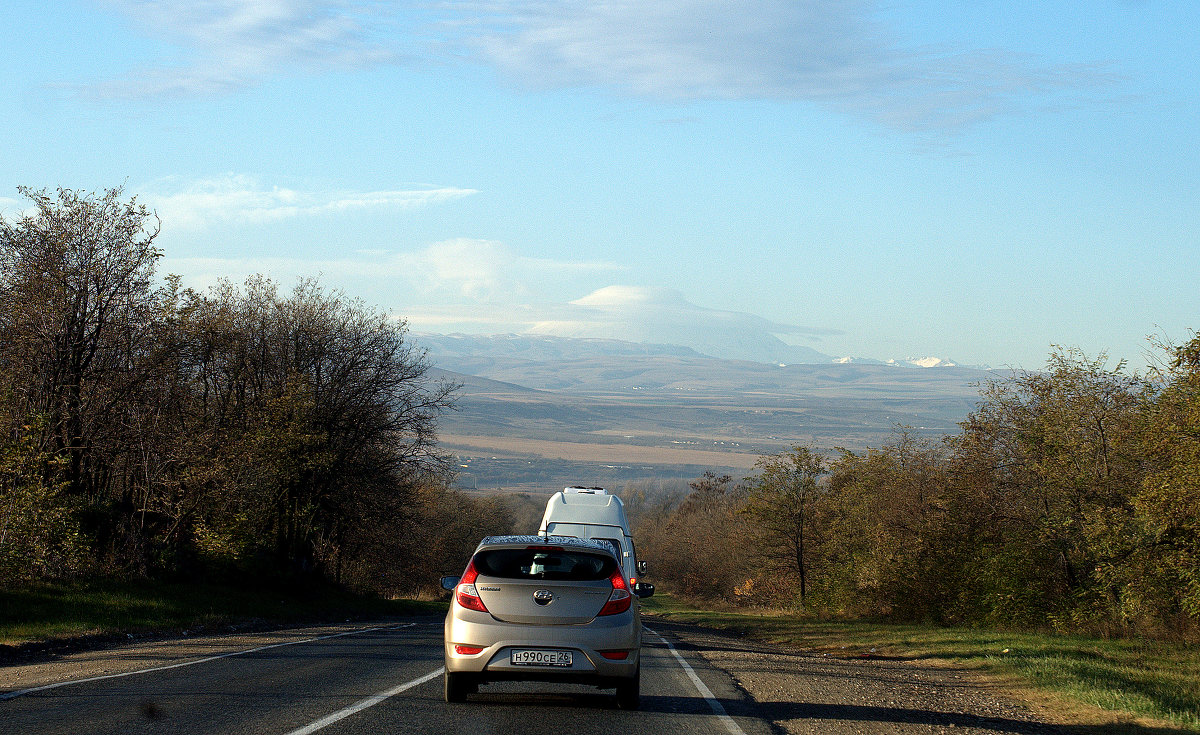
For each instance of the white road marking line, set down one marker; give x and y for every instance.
(361, 705)
(44, 687)
(705, 692)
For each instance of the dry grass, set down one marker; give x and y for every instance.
(1099, 685)
(68, 610)
(600, 453)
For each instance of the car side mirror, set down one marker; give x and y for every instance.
(449, 583)
(641, 567)
(643, 589)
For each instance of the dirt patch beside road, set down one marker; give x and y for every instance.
(807, 692)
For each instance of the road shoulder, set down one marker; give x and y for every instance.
(809, 692)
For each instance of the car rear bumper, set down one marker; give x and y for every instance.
(498, 640)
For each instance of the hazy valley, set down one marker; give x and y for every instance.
(535, 413)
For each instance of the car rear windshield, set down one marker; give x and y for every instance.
(615, 544)
(576, 566)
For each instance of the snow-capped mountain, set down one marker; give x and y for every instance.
(850, 360)
(922, 362)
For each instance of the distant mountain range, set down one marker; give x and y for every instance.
(534, 412)
(471, 352)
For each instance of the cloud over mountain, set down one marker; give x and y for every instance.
(664, 316)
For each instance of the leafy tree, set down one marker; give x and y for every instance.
(699, 546)
(888, 546)
(77, 305)
(440, 527)
(781, 502)
(1167, 566)
(39, 534)
(319, 402)
(174, 429)
(1056, 456)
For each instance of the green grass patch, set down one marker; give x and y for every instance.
(1131, 678)
(105, 607)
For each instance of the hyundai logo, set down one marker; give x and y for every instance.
(543, 597)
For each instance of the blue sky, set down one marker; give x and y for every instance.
(972, 180)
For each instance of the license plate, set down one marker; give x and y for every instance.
(541, 658)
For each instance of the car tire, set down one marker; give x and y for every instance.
(456, 687)
(629, 691)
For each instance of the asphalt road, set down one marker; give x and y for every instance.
(375, 679)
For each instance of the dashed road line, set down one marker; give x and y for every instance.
(362, 704)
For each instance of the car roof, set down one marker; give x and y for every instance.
(570, 542)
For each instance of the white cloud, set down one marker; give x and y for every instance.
(225, 45)
(463, 276)
(488, 271)
(476, 269)
(242, 199)
(840, 55)
(13, 209)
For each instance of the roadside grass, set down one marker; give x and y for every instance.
(99, 608)
(1122, 685)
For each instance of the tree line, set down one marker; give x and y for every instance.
(150, 429)
(155, 430)
(1070, 499)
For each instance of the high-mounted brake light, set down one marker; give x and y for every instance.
(465, 593)
(620, 599)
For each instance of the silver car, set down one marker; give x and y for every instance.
(555, 608)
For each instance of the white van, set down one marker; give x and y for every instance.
(591, 513)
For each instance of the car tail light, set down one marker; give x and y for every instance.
(467, 650)
(465, 593)
(620, 599)
(615, 655)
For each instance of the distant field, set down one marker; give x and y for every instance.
(531, 421)
(516, 447)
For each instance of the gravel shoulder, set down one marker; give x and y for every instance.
(805, 692)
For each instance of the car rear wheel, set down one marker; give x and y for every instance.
(458, 686)
(629, 691)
